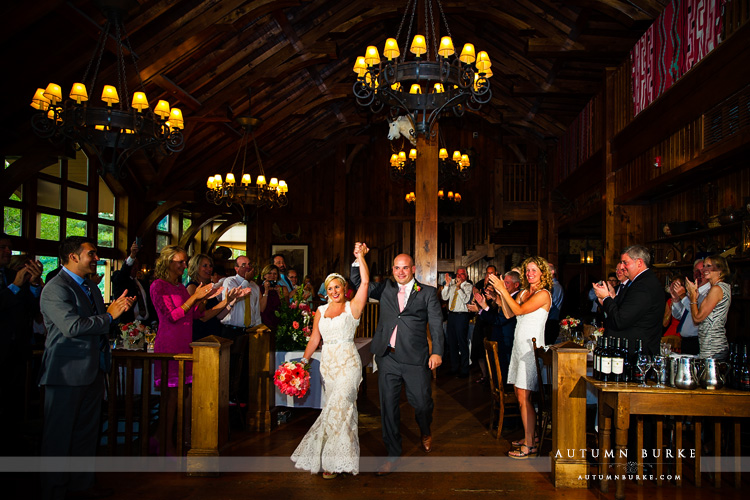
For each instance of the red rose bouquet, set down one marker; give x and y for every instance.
(292, 378)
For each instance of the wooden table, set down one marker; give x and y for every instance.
(617, 401)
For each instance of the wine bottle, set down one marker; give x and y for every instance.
(595, 368)
(637, 375)
(745, 371)
(627, 367)
(605, 365)
(617, 361)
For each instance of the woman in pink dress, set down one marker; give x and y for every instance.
(176, 309)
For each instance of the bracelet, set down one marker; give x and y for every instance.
(694, 303)
(186, 309)
(304, 361)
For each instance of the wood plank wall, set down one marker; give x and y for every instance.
(376, 211)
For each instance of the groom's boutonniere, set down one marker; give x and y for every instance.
(417, 287)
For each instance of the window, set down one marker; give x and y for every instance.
(163, 233)
(70, 200)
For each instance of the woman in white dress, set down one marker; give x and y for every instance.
(530, 308)
(332, 443)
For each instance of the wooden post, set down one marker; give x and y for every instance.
(210, 408)
(261, 403)
(569, 416)
(426, 211)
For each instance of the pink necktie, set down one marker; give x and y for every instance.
(401, 303)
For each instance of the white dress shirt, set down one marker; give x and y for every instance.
(236, 316)
(464, 295)
(689, 328)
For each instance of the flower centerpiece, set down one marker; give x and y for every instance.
(292, 378)
(567, 326)
(295, 323)
(133, 333)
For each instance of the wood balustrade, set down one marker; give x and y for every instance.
(133, 406)
(368, 323)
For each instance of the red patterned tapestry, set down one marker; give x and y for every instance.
(668, 46)
(642, 57)
(685, 32)
(702, 29)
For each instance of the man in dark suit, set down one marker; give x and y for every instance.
(76, 356)
(19, 303)
(127, 279)
(402, 351)
(637, 310)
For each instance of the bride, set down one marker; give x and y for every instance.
(332, 443)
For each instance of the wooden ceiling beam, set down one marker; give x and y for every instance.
(568, 89)
(586, 47)
(623, 12)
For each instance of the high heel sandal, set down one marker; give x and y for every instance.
(329, 475)
(521, 442)
(520, 454)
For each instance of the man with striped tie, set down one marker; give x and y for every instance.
(243, 315)
(457, 292)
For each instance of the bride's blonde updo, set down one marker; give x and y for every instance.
(335, 276)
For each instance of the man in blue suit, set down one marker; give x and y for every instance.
(76, 356)
(402, 351)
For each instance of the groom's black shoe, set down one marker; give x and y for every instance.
(426, 443)
(385, 469)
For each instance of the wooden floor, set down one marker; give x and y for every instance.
(460, 437)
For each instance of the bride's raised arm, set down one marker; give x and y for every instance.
(359, 302)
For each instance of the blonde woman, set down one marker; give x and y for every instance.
(176, 309)
(332, 443)
(711, 315)
(530, 308)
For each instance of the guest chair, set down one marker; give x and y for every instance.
(499, 399)
(544, 421)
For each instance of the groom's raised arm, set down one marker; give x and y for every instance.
(374, 290)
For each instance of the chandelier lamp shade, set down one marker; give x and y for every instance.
(241, 190)
(458, 165)
(122, 124)
(411, 198)
(435, 79)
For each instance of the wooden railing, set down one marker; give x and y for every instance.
(368, 323)
(127, 405)
(133, 406)
(520, 182)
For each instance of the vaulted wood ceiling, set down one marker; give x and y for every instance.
(548, 59)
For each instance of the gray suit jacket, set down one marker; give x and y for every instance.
(75, 332)
(422, 308)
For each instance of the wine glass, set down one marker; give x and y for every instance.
(659, 364)
(644, 364)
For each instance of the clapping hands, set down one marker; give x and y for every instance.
(122, 304)
(692, 289)
(498, 284)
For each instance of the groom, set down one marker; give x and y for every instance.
(402, 352)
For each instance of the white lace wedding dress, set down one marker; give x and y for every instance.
(332, 443)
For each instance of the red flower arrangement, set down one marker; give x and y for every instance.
(292, 378)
